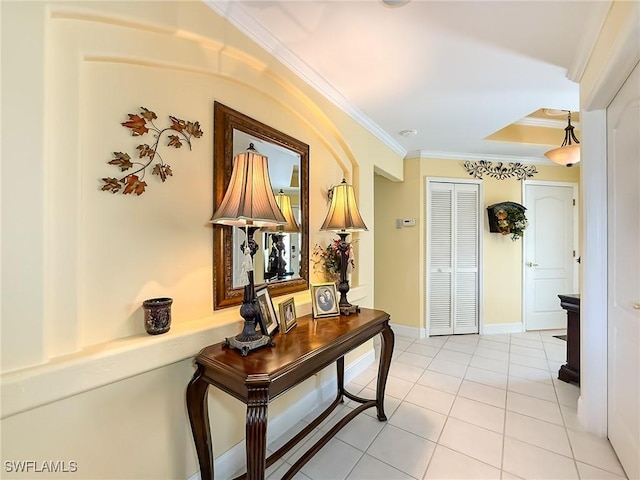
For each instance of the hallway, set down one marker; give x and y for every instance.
(464, 407)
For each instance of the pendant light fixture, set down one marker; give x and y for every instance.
(568, 153)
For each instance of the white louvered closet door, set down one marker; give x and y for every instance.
(453, 256)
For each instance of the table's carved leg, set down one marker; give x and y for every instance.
(340, 372)
(197, 400)
(386, 352)
(256, 432)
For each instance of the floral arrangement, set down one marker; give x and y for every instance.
(511, 221)
(328, 260)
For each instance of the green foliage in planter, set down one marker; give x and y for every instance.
(511, 221)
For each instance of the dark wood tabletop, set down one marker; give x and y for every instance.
(308, 346)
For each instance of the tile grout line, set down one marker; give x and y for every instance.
(402, 400)
(564, 425)
(445, 420)
(457, 395)
(447, 415)
(504, 426)
(505, 407)
(444, 425)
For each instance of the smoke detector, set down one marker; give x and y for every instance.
(409, 133)
(395, 3)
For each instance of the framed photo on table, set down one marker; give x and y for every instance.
(268, 319)
(288, 314)
(324, 300)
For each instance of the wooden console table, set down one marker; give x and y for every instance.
(269, 372)
(570, 372)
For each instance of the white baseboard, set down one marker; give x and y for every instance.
(406, 331)
(233, 460)
(489, 329)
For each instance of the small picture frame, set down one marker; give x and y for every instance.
(268, 319)
(324, 300)
(288, 314)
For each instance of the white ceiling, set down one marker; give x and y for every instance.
(454, 71)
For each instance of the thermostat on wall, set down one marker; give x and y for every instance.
(405, 222)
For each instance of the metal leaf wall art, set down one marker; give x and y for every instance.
(499, 170)
(141, 124)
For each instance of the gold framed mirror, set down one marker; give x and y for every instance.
(289, 173)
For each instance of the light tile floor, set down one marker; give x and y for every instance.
(463, 407)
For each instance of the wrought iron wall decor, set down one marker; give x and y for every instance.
(141, 124)
(499, 170)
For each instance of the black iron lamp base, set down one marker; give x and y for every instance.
(349, 309)
(249, 339)
(343, 285)
(245, 346)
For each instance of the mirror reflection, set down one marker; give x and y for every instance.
(278, 256)
(281, 261)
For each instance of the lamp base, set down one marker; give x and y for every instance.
(245, 346)
(249, 339)
(348, 309)
(343, 285)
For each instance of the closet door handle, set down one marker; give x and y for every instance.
(529, 264)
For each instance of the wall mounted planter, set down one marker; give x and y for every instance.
(493, 209)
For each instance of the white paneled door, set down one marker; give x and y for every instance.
(453, 258)
(549, 253)
(623, 153)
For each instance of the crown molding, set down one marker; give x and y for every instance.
(546, 122)
(475, 157)
(591, 31)
(622, 57)
(235, 13)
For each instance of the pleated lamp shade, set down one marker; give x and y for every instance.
(343, 213)
(249, 199)
(284, 203)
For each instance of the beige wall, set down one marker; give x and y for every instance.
(81, 380)
(400, 253)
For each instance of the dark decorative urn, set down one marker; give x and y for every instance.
(157, 315)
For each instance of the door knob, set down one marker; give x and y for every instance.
(529, 264)
(636, 306)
